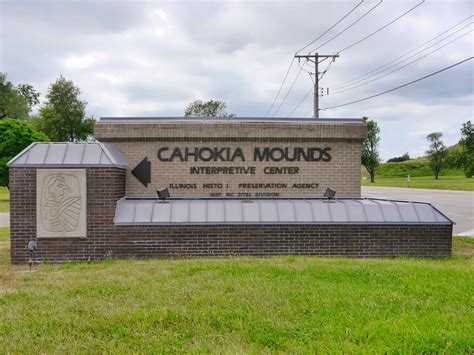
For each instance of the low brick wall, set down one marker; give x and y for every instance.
(105, 186)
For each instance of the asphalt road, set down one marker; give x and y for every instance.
(457, 205)
(4, 219)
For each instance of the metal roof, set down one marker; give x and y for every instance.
(275, 211)
(94, 154)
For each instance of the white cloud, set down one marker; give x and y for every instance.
(84, 61)
(153, 58)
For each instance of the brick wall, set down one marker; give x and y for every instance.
(137, 140)
(342, 172)
(107, 185)
(211, 130)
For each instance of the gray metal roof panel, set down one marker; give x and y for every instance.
(94, 154)
(55, 154)
(407, 212)
(114, 153)
(338, 211)
(74, 153)
(216, 211)
(303, 211)
(372, 209)
(233, 211)
(355, 211)
(180, 212)
(162, 213)
(37, 154)
(250, 211)
(276, 211)
(320, 211)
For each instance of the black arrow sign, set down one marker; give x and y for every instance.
(143, 172)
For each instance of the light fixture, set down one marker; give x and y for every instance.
(32, 246)
(163, 194)
(330, 193)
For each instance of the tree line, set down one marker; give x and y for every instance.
(460, 156)
(61, 118)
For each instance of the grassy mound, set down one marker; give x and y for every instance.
(414, 168)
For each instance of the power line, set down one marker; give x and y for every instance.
(281, 86)
(403, 66)
(292, 61)
(288, 92)
(299, 104)
(401, 86)
(306, 70)
(327, 68)
(343, 84)
(352, 24)
(307, 110)
(330, 28)
(381, 28)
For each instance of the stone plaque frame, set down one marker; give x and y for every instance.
(61, 203)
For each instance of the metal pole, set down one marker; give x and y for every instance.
(316, 57)
(316, 87)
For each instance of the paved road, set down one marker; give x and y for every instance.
(457, 205)
(4, 219)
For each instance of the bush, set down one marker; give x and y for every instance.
(15, 135)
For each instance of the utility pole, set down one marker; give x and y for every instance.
(315, 58)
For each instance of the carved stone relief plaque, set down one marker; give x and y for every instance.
(61, 202)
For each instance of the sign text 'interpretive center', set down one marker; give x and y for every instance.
(209, 161)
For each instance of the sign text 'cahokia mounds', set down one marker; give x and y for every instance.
(238, 187)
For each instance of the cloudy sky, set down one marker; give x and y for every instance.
(152, 58)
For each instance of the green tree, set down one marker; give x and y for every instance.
(63, 116)
(466, 158)
(30, 94)
(212, 108)
(16, 102)
(436, 153)
(452, 158)
(404, 157)
(370, 154)
(15, 135)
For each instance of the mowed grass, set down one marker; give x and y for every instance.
(278, 304)
(425, 182)
(4, 234)
(4, 199)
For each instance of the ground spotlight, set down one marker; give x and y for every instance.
(330, 193)
(163, 194)
(32, 246)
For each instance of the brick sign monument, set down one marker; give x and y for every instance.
(238, 187)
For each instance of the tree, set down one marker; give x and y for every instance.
(63, 116)
(370, 153)
(15, 135)
(404, 157)
(16, 102)
(436, 153)
(30, 94)
(466, 158)
(212, 108)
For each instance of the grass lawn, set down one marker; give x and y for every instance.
(277, 304)
(4, 234)
(426, 182)
(4, 199)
